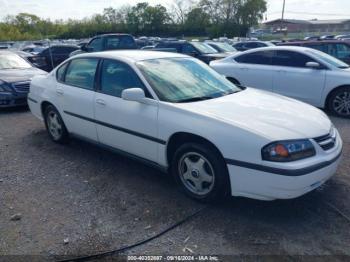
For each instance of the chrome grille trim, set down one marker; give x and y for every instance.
(328, 141)
(21, 87)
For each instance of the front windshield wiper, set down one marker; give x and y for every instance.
(343, 67)
(194, 99)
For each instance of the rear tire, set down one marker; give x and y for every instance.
(55, 126)
(201, 172)
(339, 102)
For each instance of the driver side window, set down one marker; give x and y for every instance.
(116, 77)
(96, 45)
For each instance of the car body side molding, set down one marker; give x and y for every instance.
(147, 137)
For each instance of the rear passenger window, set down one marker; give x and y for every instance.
(116, 77)
(81, 73)
(291, 59)
(60, 72)
(259, 58)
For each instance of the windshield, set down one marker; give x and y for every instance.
(204, 48)
(13, 61)
(328, 59)
(225, 47)
(184, 80)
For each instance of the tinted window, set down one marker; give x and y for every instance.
(343, 51)
(321, 47)
(188, 49)
(116, 77)
(291, 59)
(127, 42)
(251, 45)
(96, 44)
(260, 58)
(61, 71)
(81, 73)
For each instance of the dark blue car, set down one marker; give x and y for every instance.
(15, 76)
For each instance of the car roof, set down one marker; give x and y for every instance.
(317, 42)
(133, 55)
(274, 48)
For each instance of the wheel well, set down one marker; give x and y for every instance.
(233, 80)
(330, 94)
(43, 107)
(178, 139)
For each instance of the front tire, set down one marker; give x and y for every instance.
(201, 172)
(55, 125)
(339, 102)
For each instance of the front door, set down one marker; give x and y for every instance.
(294, 79)
(126, 125)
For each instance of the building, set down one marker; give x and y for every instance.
(302, 26)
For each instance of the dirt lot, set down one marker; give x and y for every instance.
(95, 201)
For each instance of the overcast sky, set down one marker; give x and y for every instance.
(63, 9)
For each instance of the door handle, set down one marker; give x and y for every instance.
(282, 71)
(100, 102)
(59, 91)
(243, 68)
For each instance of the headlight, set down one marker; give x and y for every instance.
(287, 151)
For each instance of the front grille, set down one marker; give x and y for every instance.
(21, 87)
(327, 142)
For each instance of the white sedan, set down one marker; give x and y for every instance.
(298, 72)
(175, 113)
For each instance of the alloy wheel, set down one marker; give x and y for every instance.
(341, 103)
(54, 125)
(196, 173)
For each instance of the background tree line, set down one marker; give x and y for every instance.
(211, 18)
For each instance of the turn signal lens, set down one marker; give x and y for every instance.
(281, 150)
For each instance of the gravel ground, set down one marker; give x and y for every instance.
(79, 199)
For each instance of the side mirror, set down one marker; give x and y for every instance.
(313, 65)
(133, 94)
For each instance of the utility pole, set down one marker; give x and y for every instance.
(282, 20)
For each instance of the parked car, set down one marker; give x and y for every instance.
(302, 73)
(338, 48)
(199, 50)
(327, 37)
(229, 141)
(33, 49)
(222, 47)
(108, 42)
(311, 38)
(340, 37)
(52, 56)
(15, 75)
(244, 46)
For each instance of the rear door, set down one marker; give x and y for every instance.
(76, 92)
(292, 78)
(254, 70)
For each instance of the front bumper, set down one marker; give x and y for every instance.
(12, 100)
(258, 183)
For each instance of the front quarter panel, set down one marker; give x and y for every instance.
(335, 78)
(232, 141)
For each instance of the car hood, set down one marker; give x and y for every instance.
(269, 115)
(17, 75)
